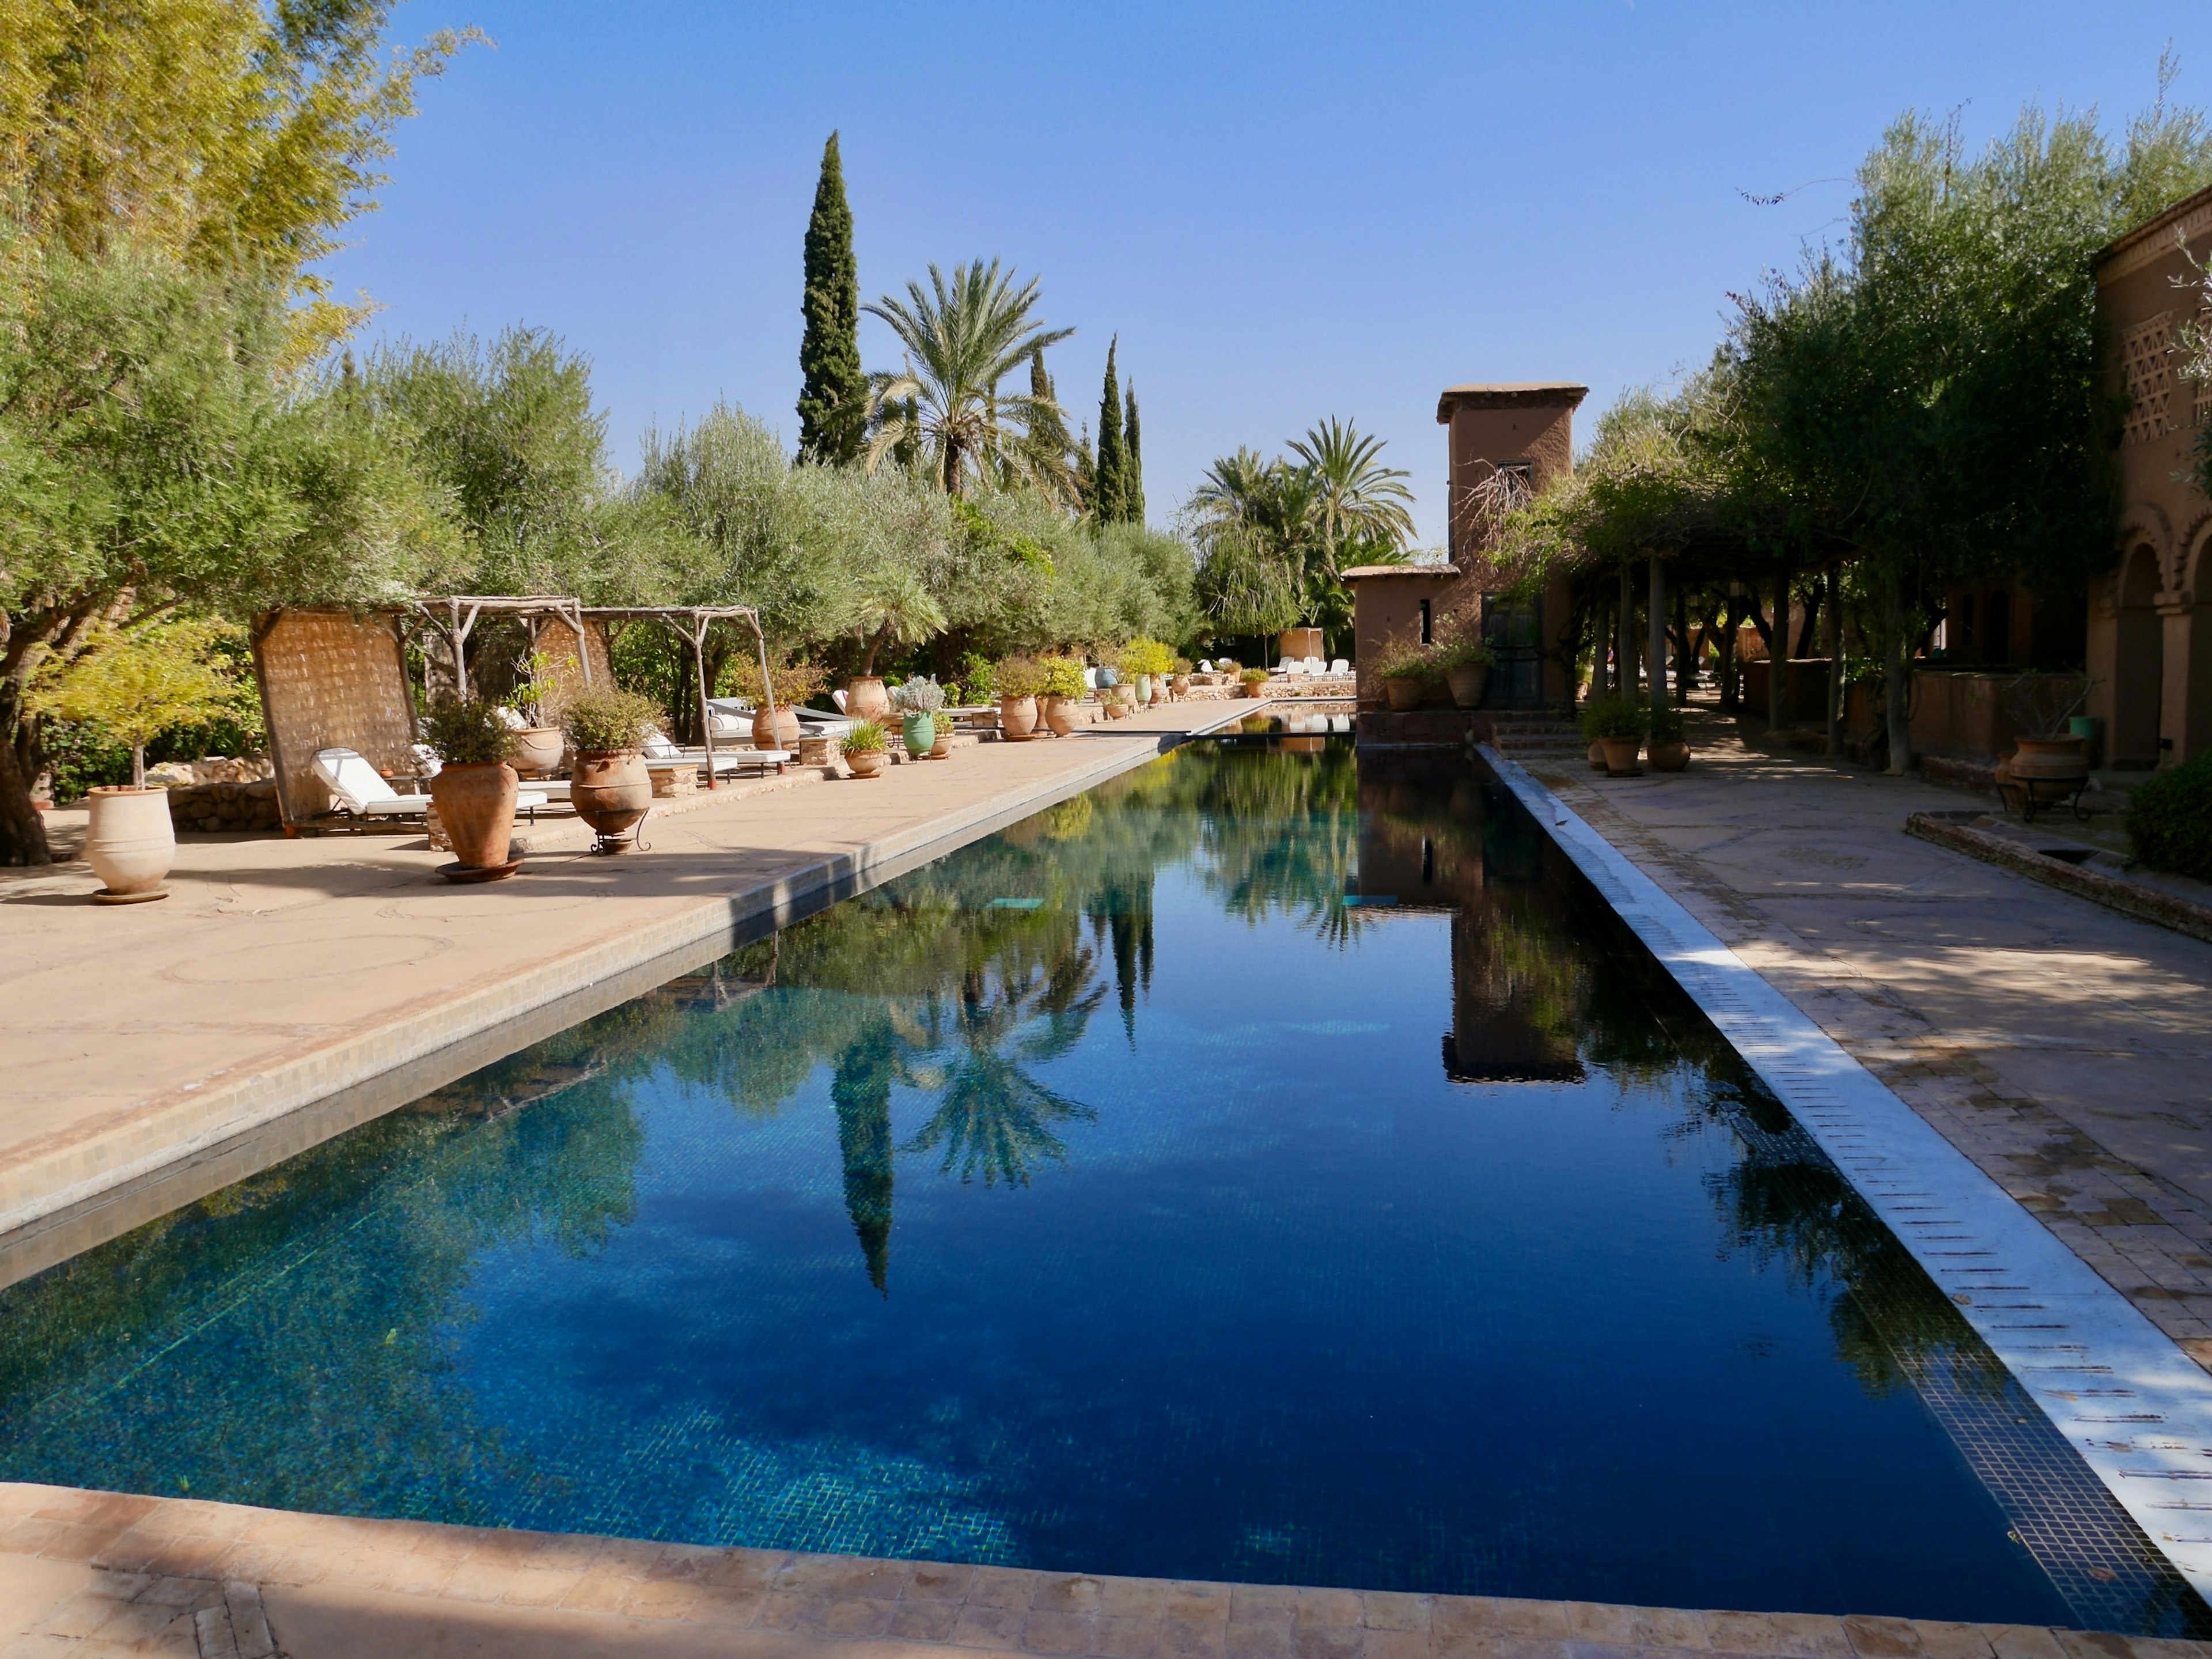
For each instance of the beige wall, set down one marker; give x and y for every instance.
(2150, 628)
(1388, 607)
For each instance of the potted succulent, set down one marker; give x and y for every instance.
(475, 788)
(865, 749)
(1670, 741)
(1063, 690)
(1252, 680)
(1020, 679)
(1406, 669)
(138, 686)
(608, 784)
(1147, 662)
(536, 747)
(919, 700)
(1465, 658)
(1618, 724)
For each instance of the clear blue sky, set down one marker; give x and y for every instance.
(1284, 211)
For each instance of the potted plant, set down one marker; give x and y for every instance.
(1619, 723)
(475, 788)
(138, 686)
(1063, 690)
(1405, 670)
(1252, 680)
(1670, 741)
(1147, 662)
(1020, 679)
(895, 609)
(919, 700)
(794, 684)
(1464, 656)
(1180, 684)
(608, 784)
(536, 746)
(864, 748)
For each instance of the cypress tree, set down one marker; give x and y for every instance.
(833, 392)
(1133, 465)
(1106, 503)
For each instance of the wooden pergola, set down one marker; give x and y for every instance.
(691, 623)
(456, 614)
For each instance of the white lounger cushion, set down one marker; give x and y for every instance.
(357, 786)
(1340, 666)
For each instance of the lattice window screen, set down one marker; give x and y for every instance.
(2149, 381)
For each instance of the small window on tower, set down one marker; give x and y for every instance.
(1428, 620)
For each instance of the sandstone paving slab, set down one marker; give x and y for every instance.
(2062, 1047)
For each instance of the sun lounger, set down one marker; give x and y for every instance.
(358, 790)
(1340, 666)
(1315, 665)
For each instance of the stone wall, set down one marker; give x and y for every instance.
(225, 806)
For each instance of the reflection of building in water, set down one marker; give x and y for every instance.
(1517, 990)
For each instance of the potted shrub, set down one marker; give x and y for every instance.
(1020, 679)
(1617, 723)
(1405, 670)
(1251, 679)
(865, 749)
(1063, 690)
(536, 746)
(608, 784)
(475, 789)
(795, 683)
(1464, 656)
(1670, 741)
(895, 609)
(1180, 684)
(919, 700)
(138, 686)
(1147, 661)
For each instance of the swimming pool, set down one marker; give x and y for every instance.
(1271, 1165)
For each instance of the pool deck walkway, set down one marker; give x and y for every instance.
(289, 988)
(94, 1576)
(2064, 1047)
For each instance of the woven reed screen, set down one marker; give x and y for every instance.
(329, 680)
(556, 642)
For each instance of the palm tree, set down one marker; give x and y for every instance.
(962, 340)
(1356, 499)
(1253, 521)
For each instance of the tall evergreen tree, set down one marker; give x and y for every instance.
(1133, 465)
(1106, 497)
(833, 398)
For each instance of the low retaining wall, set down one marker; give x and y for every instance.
(219, 806)
(2114, 892)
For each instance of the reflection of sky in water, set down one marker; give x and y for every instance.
(1277, 1300)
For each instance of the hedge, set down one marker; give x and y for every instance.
(2170, 820)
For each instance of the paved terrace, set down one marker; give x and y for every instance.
(2064, 1047)
(159, 1052)
(89, 1576)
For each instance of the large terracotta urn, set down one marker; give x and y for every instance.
(781, 733)
(536, 749)
(866, 700)
(475, 808)
(1620, 755)
(1597, 755)
(1018, 719)
(1059, 715)
(130, 842)
(1466, 682)
(1403, 691)
(2050, 760)
(611, 790)
(1672, 756)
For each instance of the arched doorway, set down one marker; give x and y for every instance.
(2139, 666)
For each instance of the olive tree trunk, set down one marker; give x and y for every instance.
(1897, 685)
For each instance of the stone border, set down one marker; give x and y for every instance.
(2136, 1407)
(203, 1122)
(2113, 892)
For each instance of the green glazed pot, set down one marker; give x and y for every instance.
(920, 731)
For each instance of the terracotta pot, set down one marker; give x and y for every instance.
(1620, 754)
(1597, 758)
(781, 733)
(1059, 715)
(1403, 693)
(1017, 718)
(866, 700)
(1180, 685)
(943, 746)
(1673, 756)
(2050, 760)
(1253, 688)
(919, 733)
(475, 808)
(132, 841)
(611, 789)
(1159, 688)
(869, 764)
(537, 749)
(1467, 682)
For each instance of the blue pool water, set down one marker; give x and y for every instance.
(1269, 1166)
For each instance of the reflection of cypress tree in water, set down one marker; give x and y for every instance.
(861, 1089)
(1122, 916)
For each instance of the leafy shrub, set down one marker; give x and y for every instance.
(1063, 676)
(1146, 656)
(865, 739)
(467, 730)
(1667, 726)
(979, 677)
(1405, 659)
(1252, 676)
(608, 719)
(1614, 716)
(1020, 677)
(796, 684)
(1460, 643)
(2169, 819)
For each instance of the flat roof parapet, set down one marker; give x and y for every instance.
(1509, 394)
